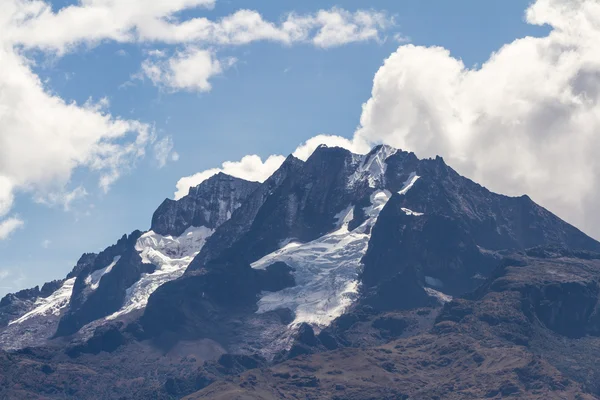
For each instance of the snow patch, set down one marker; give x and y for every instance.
(326, 270)
(378, 201)
(408, 184)
(373, 167)
(171, 256)
(289, 243)
(344, 217)
(442, 297)
(411, 212)
(93, 279)
(51, 305)
(431, 281)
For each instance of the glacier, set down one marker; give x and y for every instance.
(170, 254)
(51, 305)
(93, 279)
(413, 177)
(326, 269)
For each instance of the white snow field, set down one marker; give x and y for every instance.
(51, 305)
(171, 255)
(326, 270)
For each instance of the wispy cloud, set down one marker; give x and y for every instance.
(9, 225)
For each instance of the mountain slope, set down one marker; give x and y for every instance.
(116, 283)
(352, 227)
(442, 287)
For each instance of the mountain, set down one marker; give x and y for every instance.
(116, 283)
(288, 288)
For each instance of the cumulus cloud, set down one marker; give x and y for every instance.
(35, 24)
(337, 27)
(526, 121)
(44, 139)
(8, 226)
(306, 149)
(188, 70)
(325, 28)
(6, 195)
(251, 168)
(192, 68)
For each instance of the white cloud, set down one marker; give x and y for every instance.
(187, 70)
(325, 28)
(44, 139)
(8, 226)
(6, 195)
(163, 151)
(250, 167)
(526, 121)
(46, 243)
(338, 27)
(63, 198)
(34, 24)
(307, 148)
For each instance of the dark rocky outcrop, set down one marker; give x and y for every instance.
(242, 218)
(462, 228)
(14, 305)
(198, 305)
(85, 262)
(209, 204)
(89, 304)
(301, 203)
(524, 322)
(498, 342)
(106, 338)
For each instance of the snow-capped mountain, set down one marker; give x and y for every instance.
(343, 225)
(349, 227)
(118, 281)
(324, 254)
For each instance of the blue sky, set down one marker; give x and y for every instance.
(273, 98)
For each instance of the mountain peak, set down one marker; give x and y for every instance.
(209, 204)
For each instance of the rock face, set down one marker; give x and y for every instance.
(102, 284)
(242, 219)
(301, 202)
(209, 204)
(438, 235)
(100, 289)
(230, 287)
(487, 345)
(15, 305)
(342, 277)
(448, 228)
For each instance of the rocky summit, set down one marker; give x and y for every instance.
(345, 276)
